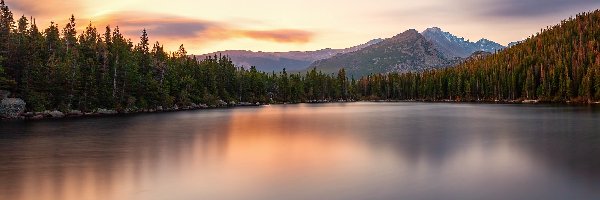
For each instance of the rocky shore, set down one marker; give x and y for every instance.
(15, 109)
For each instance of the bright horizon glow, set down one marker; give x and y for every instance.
(301, 25)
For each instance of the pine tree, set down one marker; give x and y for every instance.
(36, 78)
(6, 25)
(19, 55)
(89, 69)
(70, 34)
(71, 66)
(143, 49)
(342, 82)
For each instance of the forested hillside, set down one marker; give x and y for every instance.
(559, 64)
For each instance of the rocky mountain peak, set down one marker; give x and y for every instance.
(453, 46)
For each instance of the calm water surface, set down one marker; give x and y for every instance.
(329, 151)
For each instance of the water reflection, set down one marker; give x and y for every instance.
(330, 151)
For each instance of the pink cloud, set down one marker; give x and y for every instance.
(284, 35)
(176, 28)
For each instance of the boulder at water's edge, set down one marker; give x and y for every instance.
(12, 108)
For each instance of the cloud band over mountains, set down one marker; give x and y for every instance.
(160, 26)
(173, 27)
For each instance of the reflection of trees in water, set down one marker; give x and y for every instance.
(562, 138)
(69, 159)
(570, 143)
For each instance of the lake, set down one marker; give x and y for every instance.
(309, 151)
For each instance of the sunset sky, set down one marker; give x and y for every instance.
(285, 25)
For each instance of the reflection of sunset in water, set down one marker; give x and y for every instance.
(276, 144)
(331, 151)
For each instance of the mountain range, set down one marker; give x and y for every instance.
(291, 61)
(406, 52)
(409, 51)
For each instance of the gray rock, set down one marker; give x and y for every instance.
(29, 114)
(57, 114)
(106, 111)
(75, 113)
(37, 117)
(12, 108)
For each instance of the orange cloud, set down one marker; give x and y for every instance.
(170, 30)
(43, 8)
(173, 31)
(176, 28)
(285, 35)
(159, 25)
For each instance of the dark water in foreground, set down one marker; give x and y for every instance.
(329, 151)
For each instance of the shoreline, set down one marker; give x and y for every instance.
(76, 114)
(57, 115)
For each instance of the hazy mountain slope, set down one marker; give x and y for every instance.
(453, 46)
(292, 61)
(405, 52)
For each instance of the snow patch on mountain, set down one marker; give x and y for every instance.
(453, 46)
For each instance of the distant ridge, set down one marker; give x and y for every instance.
(277, 61)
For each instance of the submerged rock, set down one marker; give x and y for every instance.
(12, 108)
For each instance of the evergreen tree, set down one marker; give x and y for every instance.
(6, 25)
